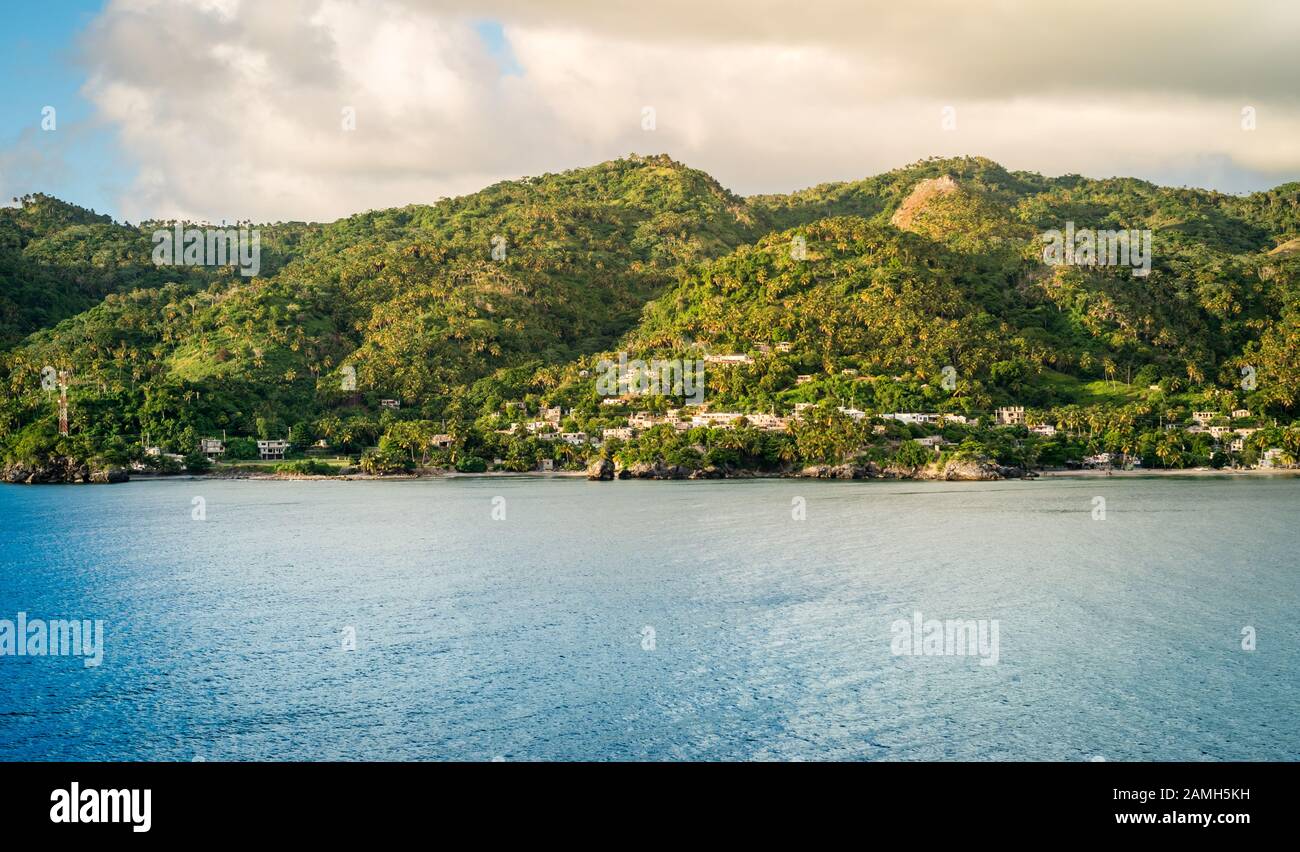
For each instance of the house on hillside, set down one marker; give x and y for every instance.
(728, 360)
(910, 417)
(212, 447)
(1011, 415)
(717, 419)
(270, 450)
(768, 422)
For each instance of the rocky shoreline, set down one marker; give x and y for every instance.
(604, 470)
(70, 471)
(62, 471)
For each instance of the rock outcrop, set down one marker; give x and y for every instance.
(920, 195)
(600, 470)
(60, 470)
(953, 471)
(657, 470)
(840, 471)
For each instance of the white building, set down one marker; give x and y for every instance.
(272, 449)
(910, 417)
(1271, 458)
(717, 419)
(1011, 415)
(1045, 429)
(768, 422)
(212, 447)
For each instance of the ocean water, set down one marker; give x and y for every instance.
(655, 620)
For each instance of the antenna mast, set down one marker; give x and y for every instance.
(63, 402)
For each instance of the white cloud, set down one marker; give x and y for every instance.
(234, 109)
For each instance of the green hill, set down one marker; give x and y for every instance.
(469, 308)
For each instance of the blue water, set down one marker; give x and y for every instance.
(522, 638)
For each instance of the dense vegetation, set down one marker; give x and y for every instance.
(872, 288)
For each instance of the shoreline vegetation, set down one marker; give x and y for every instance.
(597, 473)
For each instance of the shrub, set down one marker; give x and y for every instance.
(308, 467)
(241, 448)
(196, 462)
(471, 464)
(912, 454)
(383, 459)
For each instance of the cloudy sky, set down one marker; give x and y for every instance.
(240, 108)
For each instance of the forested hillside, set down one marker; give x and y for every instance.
(475, 311)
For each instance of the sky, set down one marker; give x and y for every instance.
(316, 109)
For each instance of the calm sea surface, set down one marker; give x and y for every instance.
(654, 620)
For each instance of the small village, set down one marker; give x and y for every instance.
(1228, 433)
